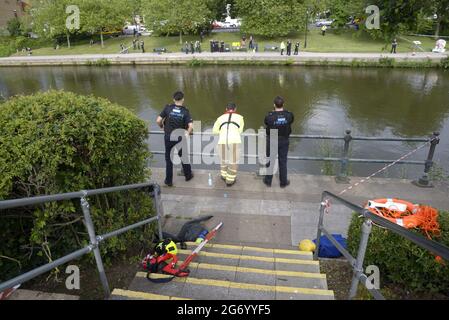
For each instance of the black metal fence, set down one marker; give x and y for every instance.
(344, 159)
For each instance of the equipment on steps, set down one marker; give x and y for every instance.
(189, 232)
(156, 262)
(163, 259)
(307, 245)
(195, 252)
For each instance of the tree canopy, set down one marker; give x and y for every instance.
(272, 18)
(176, 17)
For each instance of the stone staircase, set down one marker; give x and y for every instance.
(230, 272)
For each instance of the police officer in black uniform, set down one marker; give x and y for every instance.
(175, 116)
(281, 120)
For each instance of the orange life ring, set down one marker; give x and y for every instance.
(398, 211)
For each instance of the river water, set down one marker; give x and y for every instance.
(326, 101)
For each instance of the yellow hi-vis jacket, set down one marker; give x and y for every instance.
(229, 126)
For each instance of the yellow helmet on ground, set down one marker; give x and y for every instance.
(307, 245)
(166, 246)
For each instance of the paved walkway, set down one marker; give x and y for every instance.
(255, 214)
(173, 58)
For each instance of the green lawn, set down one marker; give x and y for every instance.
(347, 41)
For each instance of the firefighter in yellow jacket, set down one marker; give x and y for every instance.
(229, 127)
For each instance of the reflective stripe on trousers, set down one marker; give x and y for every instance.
(229, 155)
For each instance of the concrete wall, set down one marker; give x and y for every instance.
(7, 8)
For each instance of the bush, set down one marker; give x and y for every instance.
(58, 142)
(7, 47)
(400, 261)
(14, 27)
(445, 63)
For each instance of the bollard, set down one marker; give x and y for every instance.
(424, 181)
(343, 175)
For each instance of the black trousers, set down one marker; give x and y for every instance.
(282, 153)
(187, 168)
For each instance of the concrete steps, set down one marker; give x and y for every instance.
(229, 272)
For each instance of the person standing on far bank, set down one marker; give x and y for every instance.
(281, 120)
(289, 48)
(173, 117)
(282, 48)
(394, 46)
(296, 49)
(323, 30)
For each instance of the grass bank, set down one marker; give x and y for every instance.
(334, 41)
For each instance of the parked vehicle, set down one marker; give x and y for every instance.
(140, 29)
(324, 22)
(228, 23)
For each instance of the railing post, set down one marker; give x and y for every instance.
(94, 243)
(424, 181)
(342, 177)
(159, 209)
(358, 267)
(319, 232)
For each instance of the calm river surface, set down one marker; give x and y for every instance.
(371, 102)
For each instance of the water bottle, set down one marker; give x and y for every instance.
(210, 180)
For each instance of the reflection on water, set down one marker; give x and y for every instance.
(372, 102)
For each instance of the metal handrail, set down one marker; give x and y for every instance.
(345, 160)
(357, 263)
(95, 241)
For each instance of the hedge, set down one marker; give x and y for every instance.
(56, 142)
(400, 261)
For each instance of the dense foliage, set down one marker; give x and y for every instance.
(272, 18)
(59, 142)
(176, 17)
(402, 262)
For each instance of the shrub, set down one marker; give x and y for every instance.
(445, 63)
(387, 62)
(402, 262)
(58, 142)
(7, 47)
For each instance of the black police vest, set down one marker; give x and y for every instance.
(175, 119)
(280, 121)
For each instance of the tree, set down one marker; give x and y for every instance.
(397, 16)
(440, 8)
(98, 16)
(218, 8)
(49, 19)
(272, 18)
(180, 17)
(14, 27)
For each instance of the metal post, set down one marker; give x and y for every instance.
(358, 267)
(320, 226)
(159, 209)
(343, 175)
(424, 181)
(94, 243)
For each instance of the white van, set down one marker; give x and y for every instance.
(141, 30)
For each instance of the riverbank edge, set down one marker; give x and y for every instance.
(378, 61)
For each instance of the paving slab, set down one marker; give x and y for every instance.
(23, 294)
(201, 292)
